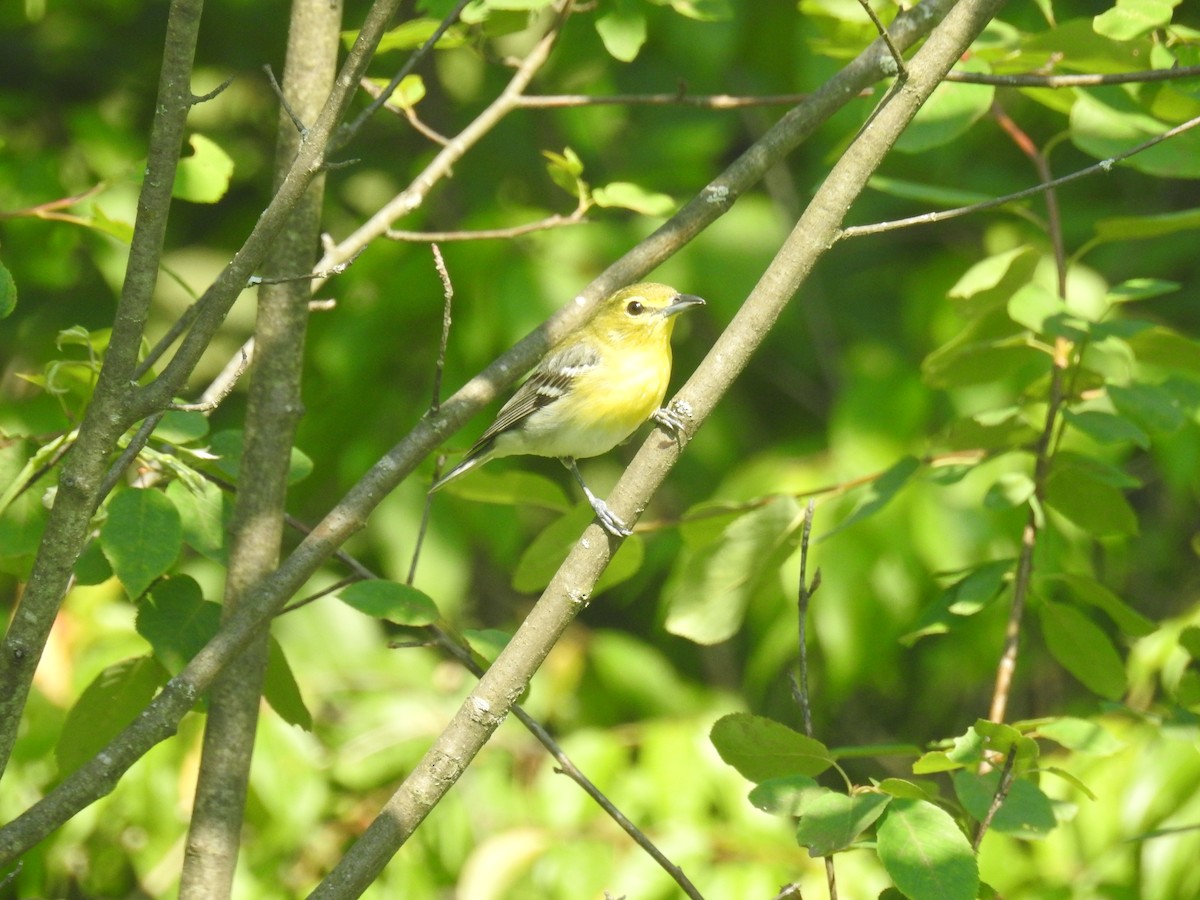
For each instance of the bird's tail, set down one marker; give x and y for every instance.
(475, 458)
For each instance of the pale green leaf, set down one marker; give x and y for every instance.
(711, 585)
(623, 32)
(1130, 19)
(8, 292)
(1025, 812)
(626, 195)
(204, 176)
(543, 557)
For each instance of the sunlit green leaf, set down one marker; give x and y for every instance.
(390, 600)
(281, 691)
(761, 748)
(953, 108)
(1150, 405)
(1107, 428)
(1095, 506)
(623, 31)
(831, 821)
(786, 796)
(546, 553)
(1130, 19)
(204, 176)
(1025, 813)
(880, 492)
(925, 853)
(626, 195)
(710, 586)
(1080, 736)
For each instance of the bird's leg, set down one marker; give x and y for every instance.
(674, 416)
(608, 519)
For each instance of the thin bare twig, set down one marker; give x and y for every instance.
(1053, 217)
(219, 389)
(1002, 788)
(804, 595)
(897, 57)
(297, 122)
(197, 99)
(435, 401)
(485, 234)
(1088, 79)
(348, 131)
(129, 454)
(407, 111)
(1104, 165)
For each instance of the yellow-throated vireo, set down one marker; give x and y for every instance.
(592, 390)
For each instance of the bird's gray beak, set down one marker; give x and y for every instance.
(682, 302)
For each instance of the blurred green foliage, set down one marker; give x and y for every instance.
(905, 387)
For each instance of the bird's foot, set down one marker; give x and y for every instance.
(609, 520)
(674, 417)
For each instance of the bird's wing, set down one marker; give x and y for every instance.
(549, 381)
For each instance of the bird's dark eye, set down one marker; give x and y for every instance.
(635, 308)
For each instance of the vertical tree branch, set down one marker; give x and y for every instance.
(80, 487)
(273, 410)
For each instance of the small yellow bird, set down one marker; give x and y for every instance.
(592, 390)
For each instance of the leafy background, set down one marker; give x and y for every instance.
(904, 348)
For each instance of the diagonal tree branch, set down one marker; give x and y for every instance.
(161, 717)
(568, 592)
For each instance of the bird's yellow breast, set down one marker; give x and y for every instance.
(604, 406)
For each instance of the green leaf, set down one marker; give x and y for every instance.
(785, 796)
(1106, 121)
(990, 283)
(412, 34)
(487, 642)
(1009, 491)
(543, 557)
(204, 176)
(8, 293)
(1080, 736)
(114, 699)
(623, 31)
(711, 585)
(1082, 649)
(960, 364)
(930, 194)
(1150, 405)
(228, 447)
(965, 597)
(1131, 19)
(761, 748)
(1136, 289)
(1089, 590)
(205, 511)
(407, 94)
(949, 112)
(390, 600)
(626, 195)
(1166, 348)
(1095, 506)
(1002, 738)
(1025, 813)
(177, 621)
(1107, 428)
(879, 493)
(701, 10)
(831, 821)
(909, 790)
(925, 853)
(181, 427)
(1189, 640)
(1135, 228)
(141, 537)
(281, 691)
(92, 567)
(510, 487)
